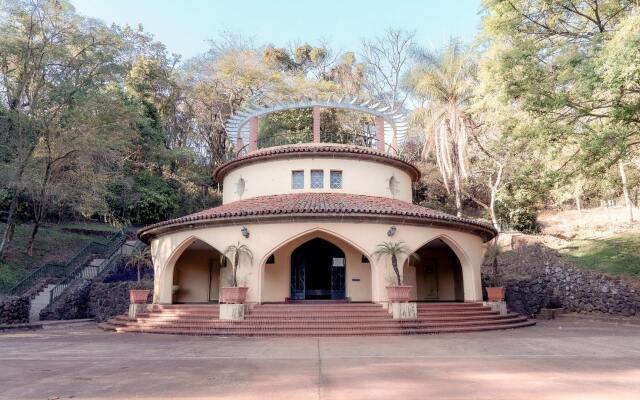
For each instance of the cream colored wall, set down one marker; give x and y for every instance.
(358, 177)
(191, 274)
(446, 276)
(268, 238)
(277, 277)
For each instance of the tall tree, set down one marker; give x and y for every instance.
(48, 56)
(562, 62)
(444, 82)
(387, 59)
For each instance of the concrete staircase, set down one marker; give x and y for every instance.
(39, 302)
(349, 319)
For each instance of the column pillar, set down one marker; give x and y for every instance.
(379, 133)
(394, 143)
(253, 134)
(239, 143)
(316, 124)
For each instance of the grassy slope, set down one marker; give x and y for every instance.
(615, 255)
(53, 244)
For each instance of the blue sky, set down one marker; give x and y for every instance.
(185, 26)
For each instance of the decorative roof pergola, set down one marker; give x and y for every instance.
(391, 125)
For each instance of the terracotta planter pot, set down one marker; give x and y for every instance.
(138, 296)
(234, 295)
(495, 293)
(399, 293)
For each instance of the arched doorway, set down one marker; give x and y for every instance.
(196, 275)
(318, 271)
(436, 274)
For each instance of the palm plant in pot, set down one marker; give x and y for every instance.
(235, 294)
(495, 289)
(396, 292)
(139, 258)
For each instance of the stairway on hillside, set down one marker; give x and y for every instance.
(39, 302)
(91, 268)
(348, 319)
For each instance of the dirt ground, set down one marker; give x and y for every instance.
(553, 360)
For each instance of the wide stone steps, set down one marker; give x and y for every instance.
(328, 319)
(291, 325)
(324, 332)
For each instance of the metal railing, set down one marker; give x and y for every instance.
(54, 270)
(49, 270)
(81, 270)
(286, 138)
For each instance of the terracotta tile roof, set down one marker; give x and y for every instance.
(330, 150)
(300, 206)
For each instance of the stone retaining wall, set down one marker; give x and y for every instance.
(535, 274)
(15, 309)
(94, 299)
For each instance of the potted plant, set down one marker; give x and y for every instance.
(495, 289)
(396, 292)
(235, 294)
(139, 258)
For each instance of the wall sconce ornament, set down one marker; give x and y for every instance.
(245, 232)
(392, 231)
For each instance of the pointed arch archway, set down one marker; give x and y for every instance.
(280, 268)
(191, 274)
(436, 273)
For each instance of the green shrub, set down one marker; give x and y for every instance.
(156, 200)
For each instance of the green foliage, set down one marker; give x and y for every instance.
(286, 127)
(617, 255)
(9, 276)
(518, 203)
(156, 201)
(235, 253)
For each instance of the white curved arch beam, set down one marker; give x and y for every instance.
(395, 121)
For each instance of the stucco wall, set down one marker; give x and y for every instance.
(266, 239)
(358, 177)
(276, 284)
(192, 273)
(414, 275)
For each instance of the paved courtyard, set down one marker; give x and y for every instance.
(553, 360)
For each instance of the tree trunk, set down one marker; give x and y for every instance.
(9, 230)
(394, 264)
(625, 191)
(236, 260)
(32, 239)
(456, 189)
(578, 204)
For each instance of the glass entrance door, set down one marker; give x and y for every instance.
(317, 271)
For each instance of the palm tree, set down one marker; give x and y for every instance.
(139, 258)
(393, 250)
(234, 252)
(444, 81)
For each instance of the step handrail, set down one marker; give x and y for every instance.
(53, 269)
(116, 243)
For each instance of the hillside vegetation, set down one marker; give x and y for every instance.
(54, 244)
(598, 239)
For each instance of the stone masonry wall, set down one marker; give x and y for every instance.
(534, 274)
(14, 310)
(95, 299)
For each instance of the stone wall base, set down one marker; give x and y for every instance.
(403, 310)
(499, 306)
(232, 312)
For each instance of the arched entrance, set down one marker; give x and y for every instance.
(318, 271)
(436, 274)
(196, 275)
